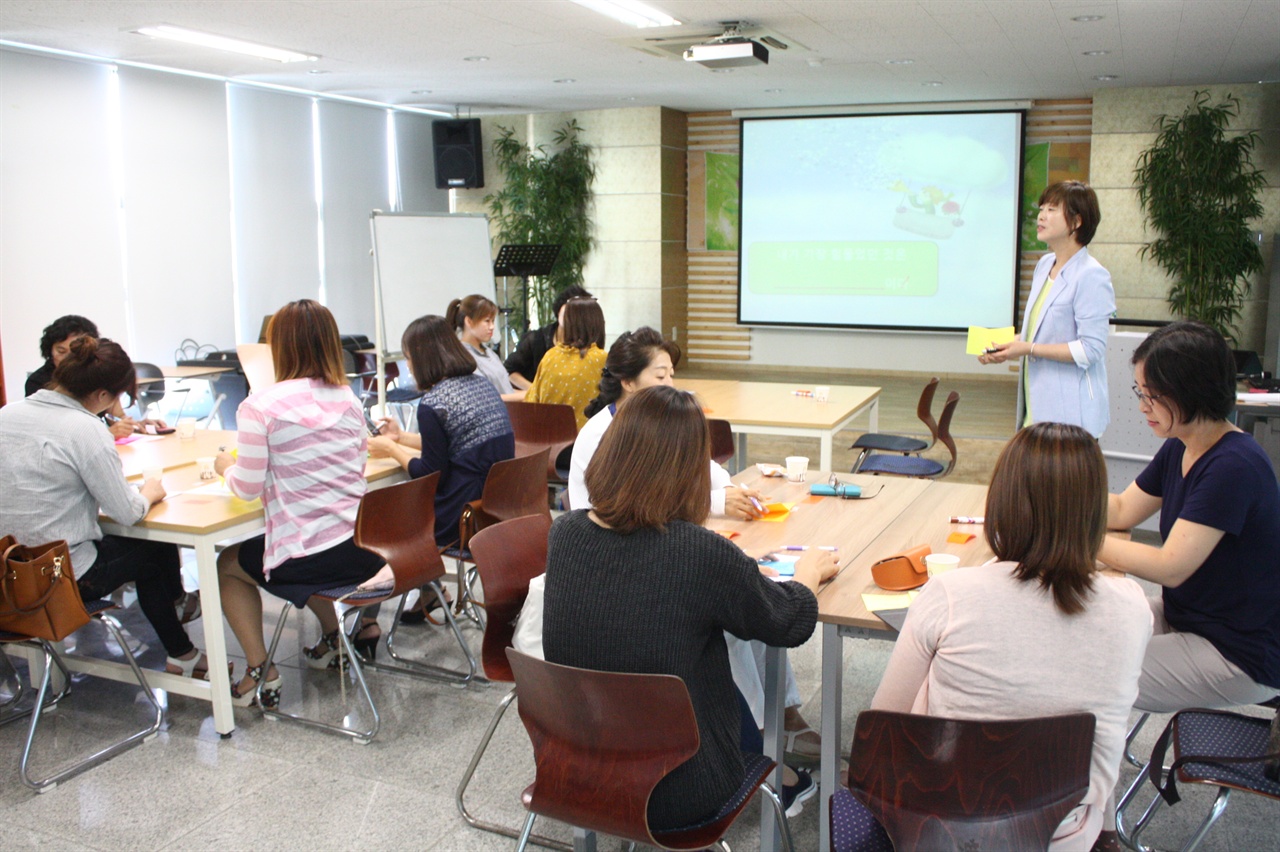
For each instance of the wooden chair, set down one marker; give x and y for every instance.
(514, 488)
(1220, 749)
(934, 783)
(398, 524)
(508, 555)
(721, 440)
(602, 742)
(917, 466)
(539, 425)
(904, 444)
(98, 611)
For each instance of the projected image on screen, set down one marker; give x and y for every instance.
(888, 221)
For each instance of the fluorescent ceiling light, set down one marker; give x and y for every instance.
(218, 42)
(630, 12)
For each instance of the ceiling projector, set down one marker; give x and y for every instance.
(731, 49)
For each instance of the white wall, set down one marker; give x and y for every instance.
(166, 207)
(918, 352)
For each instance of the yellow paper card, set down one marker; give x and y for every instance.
(981, 338)
(876, 602)
(776, 511)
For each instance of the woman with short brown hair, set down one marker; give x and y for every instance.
(636, 584)
(301, 448)
(1039, 632)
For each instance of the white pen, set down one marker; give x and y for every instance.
(825, 547)
(967, 519)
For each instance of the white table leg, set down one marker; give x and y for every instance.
(774, 695)
(832, 694)
(215, 640)
(824, 452)
(875, 415)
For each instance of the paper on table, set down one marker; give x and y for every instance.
(981, 338)
(1257, 398)
(216, 488)
(874, 602)
(775, 512)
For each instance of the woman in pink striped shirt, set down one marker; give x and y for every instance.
(301, 448)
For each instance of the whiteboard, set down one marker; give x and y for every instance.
(1128, 445)
(421, 263)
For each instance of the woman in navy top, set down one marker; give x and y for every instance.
(1217, 630)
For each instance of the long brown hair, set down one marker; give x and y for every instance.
(305, 344)
(1047, 509)
(434, 351)
(653, 465)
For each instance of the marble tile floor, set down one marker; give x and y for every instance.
(275, 784)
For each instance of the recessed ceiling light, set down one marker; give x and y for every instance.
(899, 61)
(627, 98)
(630, 12)
(317, 71)
(721, 70)
(1086, 19)
(931, 83)
(475, 59)
(217, 42)
(1096, 53)
(565, 80)
(420, 92)
(1106, 78)
(772, 91)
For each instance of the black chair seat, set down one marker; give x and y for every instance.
(1229, 736)
(890, 443)
(902, 465)
(853, 828)
(352, 594)
(755, 768)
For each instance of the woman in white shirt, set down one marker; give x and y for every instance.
(473, 319)
(1039, 632)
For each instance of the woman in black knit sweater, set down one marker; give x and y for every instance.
(636, 584)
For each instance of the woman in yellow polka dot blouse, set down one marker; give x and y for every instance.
(570, 371)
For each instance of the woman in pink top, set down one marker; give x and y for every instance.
(1039, 632)
(301, 448)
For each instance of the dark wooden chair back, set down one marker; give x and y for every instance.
(924, 409)
(513, 488)
(721, 440)
(944, 431)
(539, 425)
(508, 555)
(367, 370)
(602, 741)
(938, 783)
(398, 523)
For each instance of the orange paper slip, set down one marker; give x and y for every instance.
(776, 511)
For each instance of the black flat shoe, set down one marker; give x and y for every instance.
(419, 615)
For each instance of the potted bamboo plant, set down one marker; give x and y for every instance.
(1199, 189)
(545, 199)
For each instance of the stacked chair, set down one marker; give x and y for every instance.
(914, 465)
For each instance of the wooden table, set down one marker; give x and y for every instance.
(197, 519)
(770, 408)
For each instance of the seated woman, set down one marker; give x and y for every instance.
(59, 468)
(301, 448)
(1039, 632)
(55, 345)
(472, 319)
(1217, 629)
(463, 427)
(570, 372)
(636, 584)
(522, 365)
(644, 358)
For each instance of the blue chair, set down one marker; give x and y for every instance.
(917, 466)
(1217, 748)
(904, 444)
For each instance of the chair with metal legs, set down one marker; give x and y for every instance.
(508, 555)
(602, 742)
(97, 610)
(513, 488)
(397, 523)
(1217, 748)
(905, 444)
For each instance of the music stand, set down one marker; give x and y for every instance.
(523, 262)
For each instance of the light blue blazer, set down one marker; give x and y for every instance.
(1076, 312)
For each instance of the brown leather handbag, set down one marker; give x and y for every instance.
(38, 592)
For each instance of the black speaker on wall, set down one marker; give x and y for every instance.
(459, 158)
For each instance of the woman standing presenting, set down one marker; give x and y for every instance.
(1217, 639)
(1063, 344)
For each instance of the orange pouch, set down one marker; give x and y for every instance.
(902, 572)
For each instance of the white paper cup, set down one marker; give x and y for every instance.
(797, 467)
(204, 464)
(940, 563)
(187, 429)
(822, 393)
(156, 473)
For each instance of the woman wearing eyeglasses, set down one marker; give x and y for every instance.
(1062, 349)
(1217, 622)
